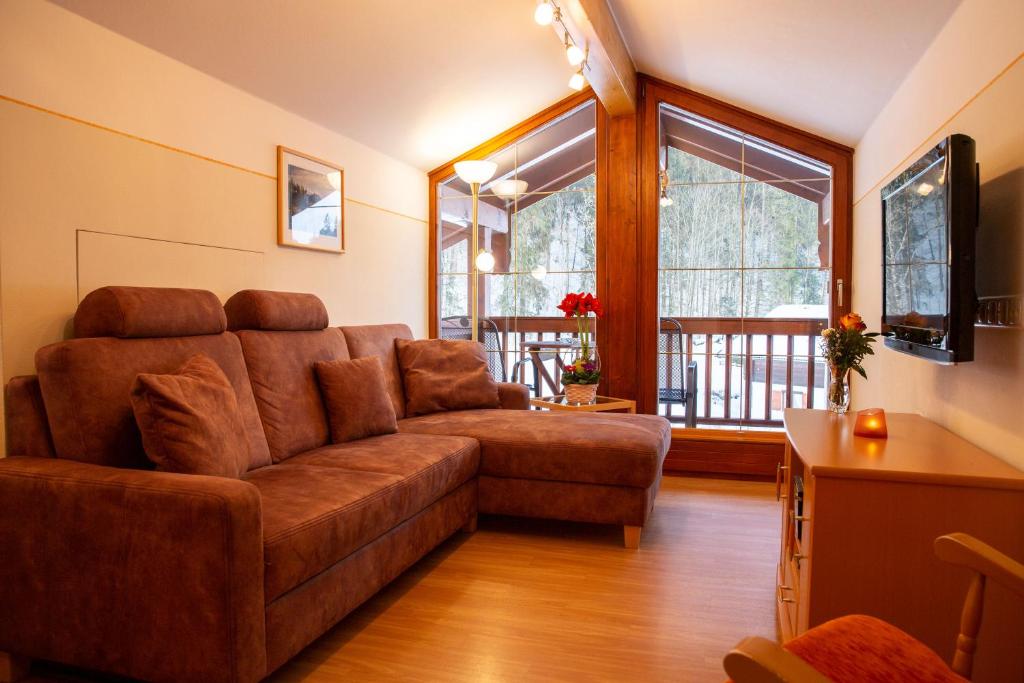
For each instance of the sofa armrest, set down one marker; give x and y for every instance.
(151, 575)
(513, 396)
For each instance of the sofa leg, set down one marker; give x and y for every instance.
(12, 667)
(470, 525)
(631, 536)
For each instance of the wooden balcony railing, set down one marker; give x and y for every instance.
(748, 371)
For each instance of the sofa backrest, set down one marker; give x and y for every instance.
(282, 335)
(121, 331)
(379, 340)
(25, 418)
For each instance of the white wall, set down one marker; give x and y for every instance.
(177, 171)
(970, 80)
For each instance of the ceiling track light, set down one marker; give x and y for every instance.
(577, 81)
(573, 52)
(547, 13)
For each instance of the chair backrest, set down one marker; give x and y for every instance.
(759, 660)
(671, 368)
(677, 380)
(987, 563)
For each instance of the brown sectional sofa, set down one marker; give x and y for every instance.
(110, 565)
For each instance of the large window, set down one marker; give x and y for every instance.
(744, 272)
(538, 217)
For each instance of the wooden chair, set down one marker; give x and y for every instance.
(759, 660)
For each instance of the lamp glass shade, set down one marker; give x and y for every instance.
(485, 261)
(507, 189)
(871, 423)
(574, 54)
(475, 171)
(665, 199)
(544, 14)
(576, 82)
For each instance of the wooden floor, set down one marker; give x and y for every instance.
(527, 600)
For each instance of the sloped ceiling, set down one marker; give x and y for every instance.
(425, 81)
(826, 66)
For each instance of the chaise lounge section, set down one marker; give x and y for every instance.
(594, 467)
(160, 576)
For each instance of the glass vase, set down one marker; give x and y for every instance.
(839, 392)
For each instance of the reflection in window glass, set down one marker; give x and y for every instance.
(538, 218)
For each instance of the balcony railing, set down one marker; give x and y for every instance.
(748, 371)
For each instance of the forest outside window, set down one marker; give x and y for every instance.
(538, 217)
(744, 272)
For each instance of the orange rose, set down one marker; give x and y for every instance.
(852, 321)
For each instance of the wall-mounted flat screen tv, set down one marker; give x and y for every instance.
(929, 218)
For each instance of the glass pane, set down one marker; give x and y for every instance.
(699, 293)
(559, 154)
(785, 293)
(556, 233)
(454, 250)
(499, 294)
(453, 295)
(782, 229)
(698, 150)
(701, 228)
(525, 295)
(455, 211)
(765, 161)
(929, 289)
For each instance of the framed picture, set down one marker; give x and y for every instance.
(310, 202)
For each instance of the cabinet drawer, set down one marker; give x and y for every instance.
(786, 601)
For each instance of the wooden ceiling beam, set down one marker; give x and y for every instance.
(611, 71)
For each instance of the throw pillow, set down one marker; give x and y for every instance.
(190, 421)
(444, 374)
(356, 394)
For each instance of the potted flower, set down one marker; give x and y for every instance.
(581, 373)
(844, 347)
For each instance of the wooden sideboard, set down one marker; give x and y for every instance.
(859, 517)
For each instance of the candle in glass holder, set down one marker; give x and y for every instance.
(871, 423)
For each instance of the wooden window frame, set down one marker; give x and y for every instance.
(654, 92)
(498, 142)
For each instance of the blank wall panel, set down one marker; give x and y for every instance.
(105, 259)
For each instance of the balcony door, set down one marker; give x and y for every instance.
(745, 273)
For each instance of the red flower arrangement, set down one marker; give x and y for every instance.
(581, 305)
(586, 367)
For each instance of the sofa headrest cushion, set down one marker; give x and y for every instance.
(134, 312)
(259, 309)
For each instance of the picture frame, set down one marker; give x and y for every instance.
(310, 202)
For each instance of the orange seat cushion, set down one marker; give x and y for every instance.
(861, 649)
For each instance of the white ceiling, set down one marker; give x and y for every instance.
(421, 80)
(425, 81)
(826, 66)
